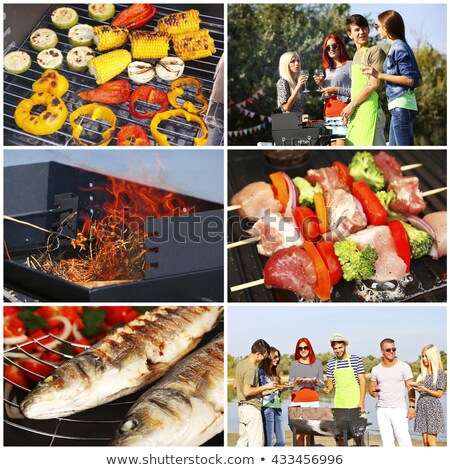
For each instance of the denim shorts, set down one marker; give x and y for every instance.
(337, 126)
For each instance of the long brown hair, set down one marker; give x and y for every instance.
(267, 366)
(327, 62)
(393, 22)
(312, 356)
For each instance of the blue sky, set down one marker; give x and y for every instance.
(364, 326)
(423, 21)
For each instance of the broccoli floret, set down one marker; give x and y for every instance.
(363, 168)
(419, 241)
(386, 197)
(356, 264)
(306, 191)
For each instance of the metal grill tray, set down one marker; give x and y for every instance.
(179, 131)
(429, 277)
(94, 427)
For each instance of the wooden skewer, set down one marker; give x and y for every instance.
(247, 285)
(434, 191)
(247, 241)
(411, 167)
(233, 208)
(12, 219)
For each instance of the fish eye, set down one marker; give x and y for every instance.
(128, 425)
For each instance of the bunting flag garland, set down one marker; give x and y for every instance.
(249, 130)
(242, 104)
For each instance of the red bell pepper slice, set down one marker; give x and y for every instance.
(150, 95)
(344, 174)
(115, 92)
(307, 222)
(281, 189)
(321, 211)
(323, 284)
(400, 237)
(132, 136)
(134, 16)
(326, 251)
(376, 213)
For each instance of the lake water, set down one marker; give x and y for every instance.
(233, 421)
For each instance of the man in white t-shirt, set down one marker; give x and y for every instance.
(389, 382)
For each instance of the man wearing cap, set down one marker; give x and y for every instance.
(389, 382)
(345, 373)
(251, 431)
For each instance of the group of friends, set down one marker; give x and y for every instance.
(259, 390)
(351, 88)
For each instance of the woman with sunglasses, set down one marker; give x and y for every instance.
(290, 99)
(335, 86)
(306, 374)
(271, 401)
(431, 383)
(401, 72)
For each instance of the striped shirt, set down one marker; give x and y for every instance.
(355, 361)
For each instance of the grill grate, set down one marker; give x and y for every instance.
(429, 276)
(179, 131)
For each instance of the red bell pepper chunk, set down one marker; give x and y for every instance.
(134, 16)
(115, 92)
(306, 221)
(323, 284)
(150, 95)
(344, 174)
(326, 251)
(133, 136)
(400, 237)
(376, 213)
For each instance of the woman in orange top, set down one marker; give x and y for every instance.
(335, 87)
(306, 374)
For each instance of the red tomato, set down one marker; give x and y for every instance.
(115, 315)
(307, 222)
(16, 376)
(326, 251)
(11, 311)
(34, 367)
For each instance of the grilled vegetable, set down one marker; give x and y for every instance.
(321, 211)
(150, 95)
(109, 37)
(101, 11)
(132, 136)
(322, 289)
(48, 121)
(135, 16)
(95, 112)
(149, 45)
(180, 23)
(17, 62)
(326, 251)
(51, 82)
(126, 360)
(356, 265)
(50, 58)
(374, 210)
(64, 18)
(195, 45)
(363, 168)
(419, 240)
(178, 90)
(81, 35)
(109, 65)
(386, 197)
(115, 92)
(43, 38)
(141, 72)
(400, 237)
(169, 68)
(306, 191)
(78, 58)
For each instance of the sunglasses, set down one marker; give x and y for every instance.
(424, 357)
(303, 348)
(391, 350)
(332, 46)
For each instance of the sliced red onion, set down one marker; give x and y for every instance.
(293, 194)
(420, 224)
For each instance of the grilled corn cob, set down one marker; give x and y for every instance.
(109, 37)
(179, 23)
(194, 45)
(109, 65)
(149, 45)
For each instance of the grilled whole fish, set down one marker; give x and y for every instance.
(185, 408)
(124, 361)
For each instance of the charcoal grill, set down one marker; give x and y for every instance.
(187, 264)
(94, 427)
(179, 131)
(337, 422)
(428, 277)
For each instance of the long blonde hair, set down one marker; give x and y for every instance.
(434, 360)
(283, 68)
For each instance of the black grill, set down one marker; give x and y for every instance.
(179, 131)
(429, 277)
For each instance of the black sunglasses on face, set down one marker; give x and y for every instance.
(331, 46)
(391, 350)
(303, 348)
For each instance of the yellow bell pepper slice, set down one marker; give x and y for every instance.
(51, 82)
(177, 91)
(95, 112)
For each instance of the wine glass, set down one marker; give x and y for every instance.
(305, 73)
(319, 73)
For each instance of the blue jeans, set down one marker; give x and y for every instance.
(401, 128)
(273, 425)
